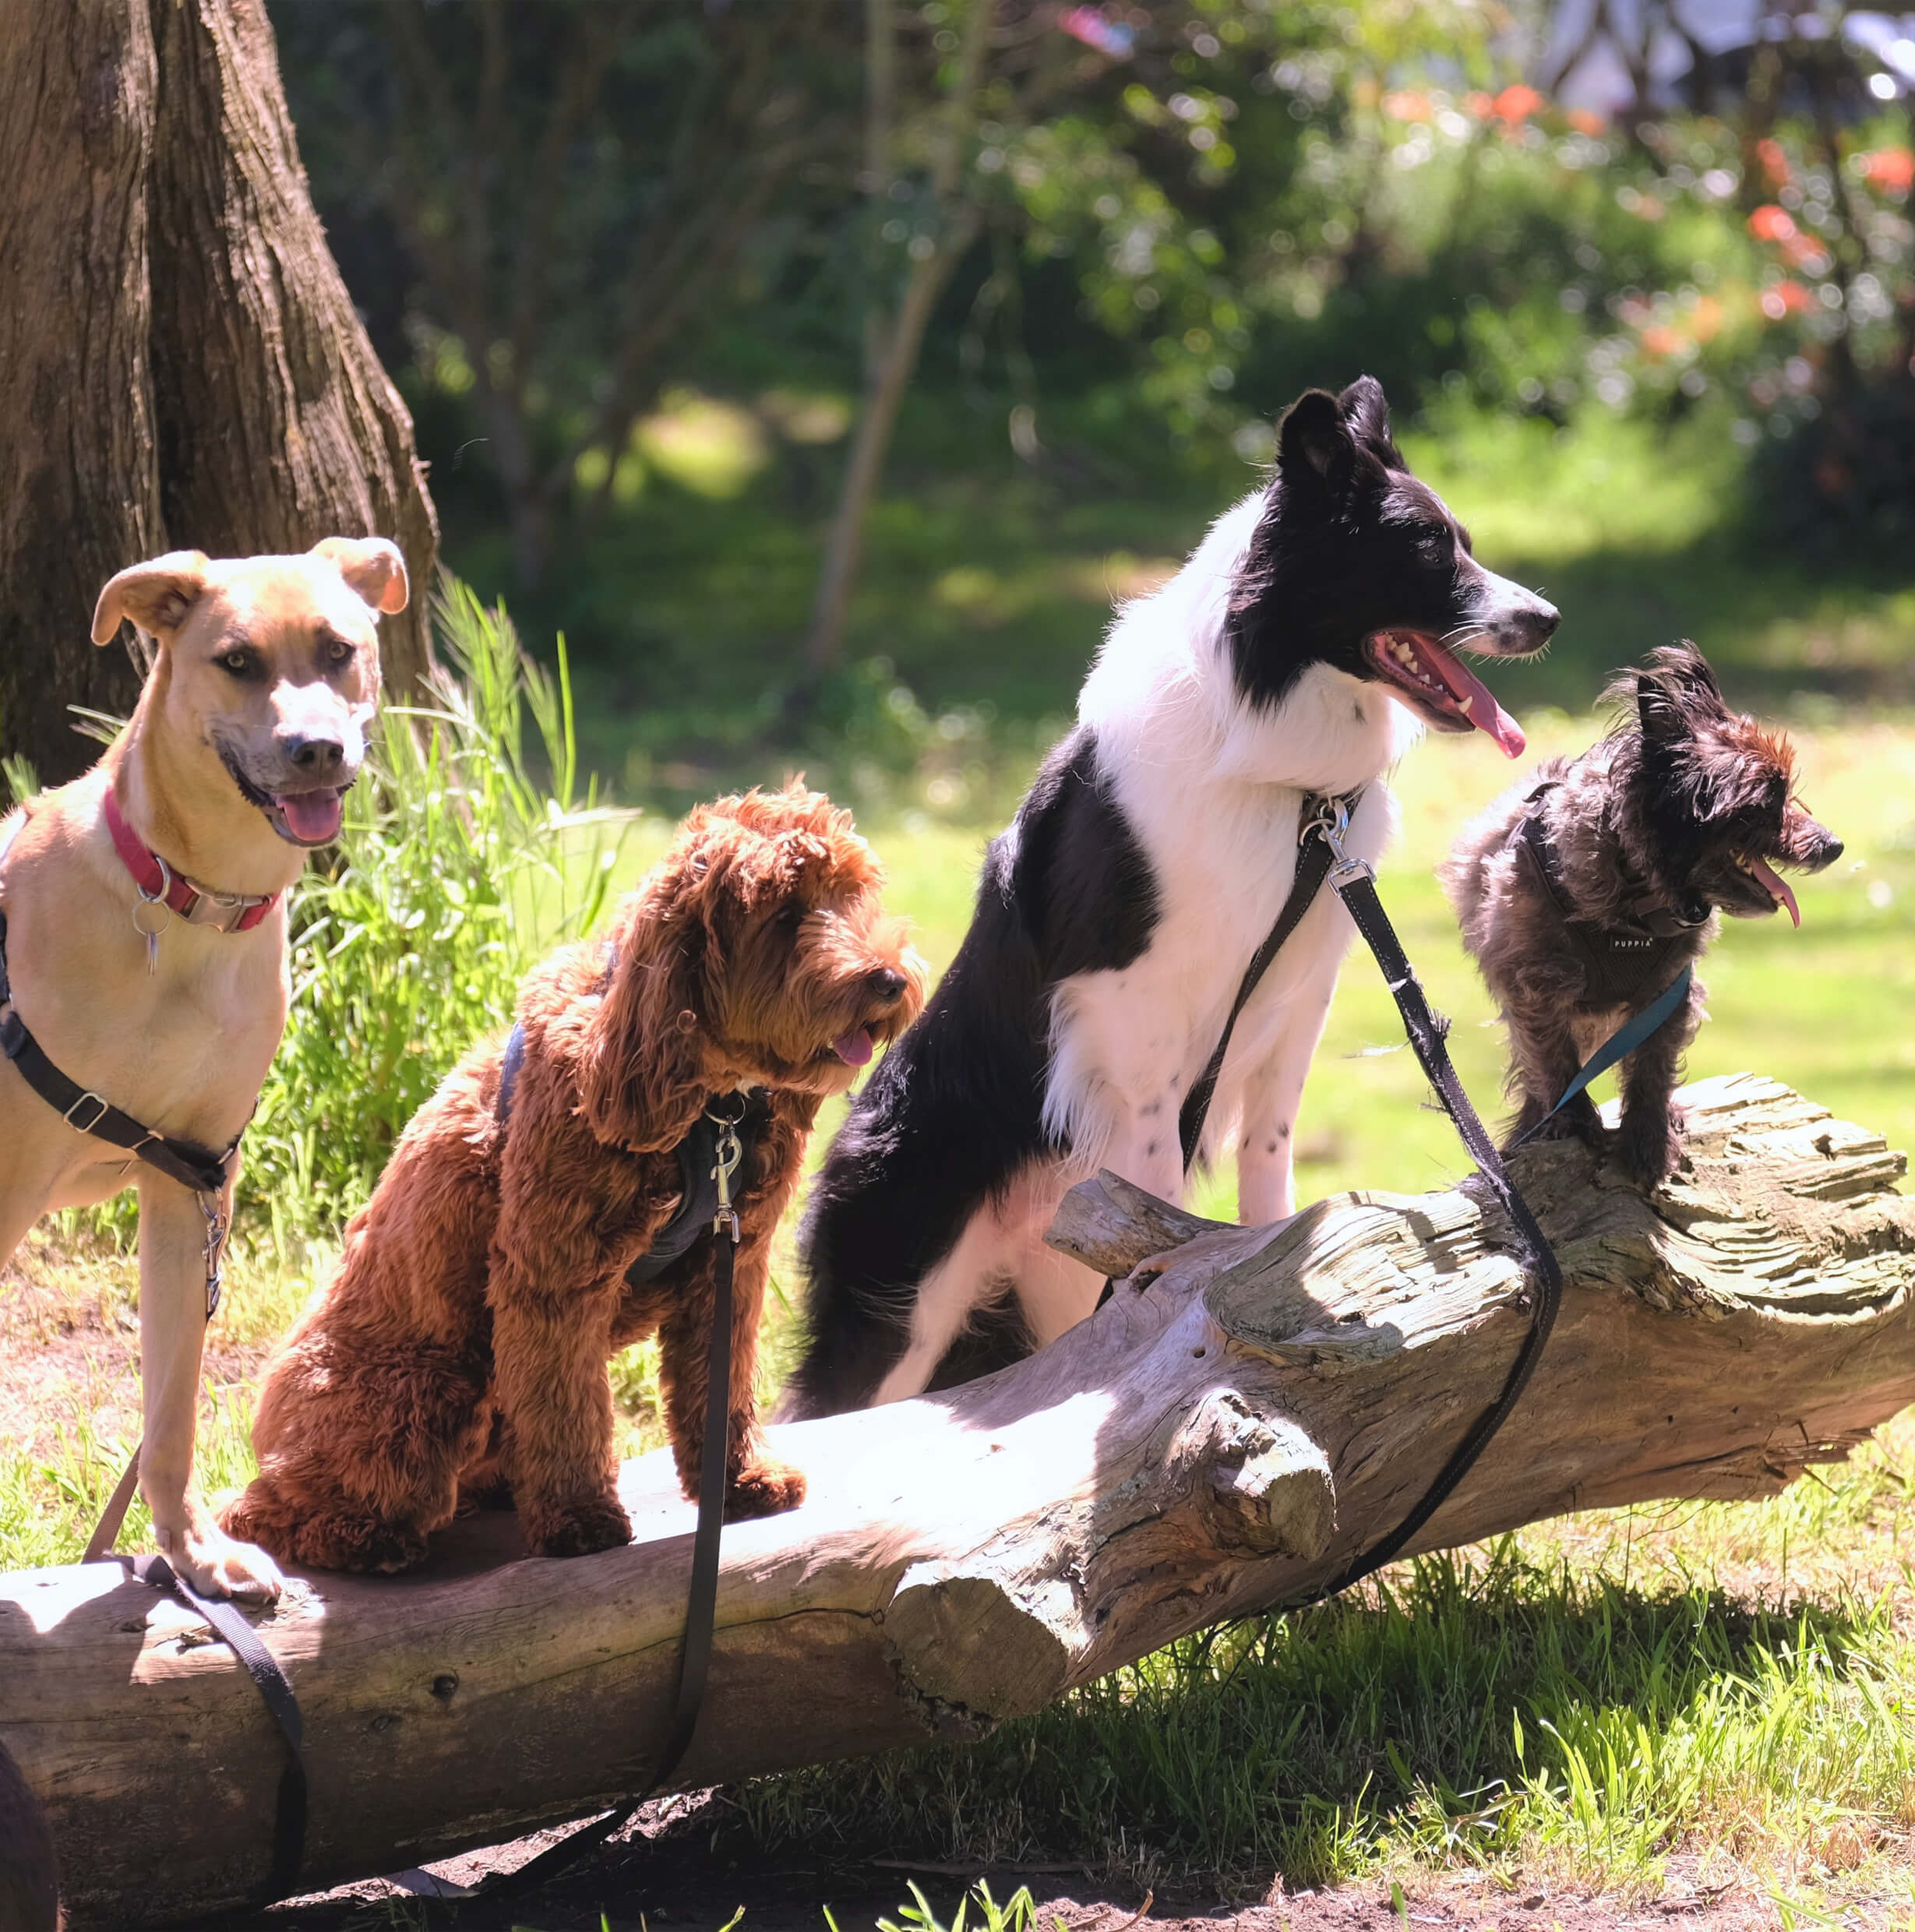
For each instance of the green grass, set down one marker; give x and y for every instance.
(1725, 1694)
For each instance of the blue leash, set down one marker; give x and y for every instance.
(1621, 1044)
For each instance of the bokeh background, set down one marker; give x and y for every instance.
(681, 293)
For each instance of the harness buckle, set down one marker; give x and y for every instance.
(101, 1109)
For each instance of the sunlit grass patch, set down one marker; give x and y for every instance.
(1484, 1711)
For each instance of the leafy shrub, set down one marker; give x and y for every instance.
(461, 860)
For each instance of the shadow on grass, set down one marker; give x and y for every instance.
(1462, 1710)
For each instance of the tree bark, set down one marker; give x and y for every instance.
(180, 363)
(1219, 1440)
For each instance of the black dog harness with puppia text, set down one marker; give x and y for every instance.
(1621, 965)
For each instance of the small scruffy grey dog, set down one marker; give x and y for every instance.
(1586, 889)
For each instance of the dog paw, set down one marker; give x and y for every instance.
(763, 1489)
(582, 1530)
(217, 1565)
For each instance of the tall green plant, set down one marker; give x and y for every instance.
(466, 853)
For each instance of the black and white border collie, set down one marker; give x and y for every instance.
(1299, 649)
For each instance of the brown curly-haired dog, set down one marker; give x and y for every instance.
(463, 1342)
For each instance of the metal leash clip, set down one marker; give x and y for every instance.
(730, 1153)
(214, 1208)
(1331, 823)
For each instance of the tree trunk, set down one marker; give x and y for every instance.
(1218, 1442)
(180, 363)
(892, 346)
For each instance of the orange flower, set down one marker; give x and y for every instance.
(1705, 321)
(1771, 224)
(1785, 299)
(1407, 105)
(1478, 104)
(1775, 162)
(1516, 103)
(1659, 340)
(1584, 121)
(1890, 169)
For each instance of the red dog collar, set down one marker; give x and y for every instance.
(160, 884)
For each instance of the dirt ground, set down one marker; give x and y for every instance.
(667, 1873)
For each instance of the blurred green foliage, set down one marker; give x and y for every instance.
(625, 261)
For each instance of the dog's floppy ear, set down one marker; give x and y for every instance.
(643, 1080)
(156, 595)
(371, 566)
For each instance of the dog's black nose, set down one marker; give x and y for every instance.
(888, 983)
(1831, 852)
(316, 755)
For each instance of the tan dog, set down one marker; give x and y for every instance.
(250, 728)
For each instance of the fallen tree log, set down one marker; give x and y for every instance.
(1215, 1442)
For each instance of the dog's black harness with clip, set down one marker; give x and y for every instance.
(715, 1160)
(1620, 963)
(1323, 824)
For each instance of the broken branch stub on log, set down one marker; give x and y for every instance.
(1220, 1438)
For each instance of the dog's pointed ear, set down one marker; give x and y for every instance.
(643, 1082)
(1366, 410)
(156, 595)
(372, 566)
(1315, 453)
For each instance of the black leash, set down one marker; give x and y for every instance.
(1323, 824)
(702, 1599)
(227, 1622)
(1355, 884)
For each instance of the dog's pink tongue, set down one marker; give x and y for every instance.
(1484, 712)
(1766, 875)
(854, 1048)
(311, 816)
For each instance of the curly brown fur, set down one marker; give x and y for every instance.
(462, 1343)
(1673, 809)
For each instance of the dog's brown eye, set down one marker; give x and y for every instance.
(239, 663)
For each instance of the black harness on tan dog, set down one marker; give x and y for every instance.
(1621, 965)
(204, 1174)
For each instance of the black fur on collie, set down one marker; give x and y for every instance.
(1297, 651)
